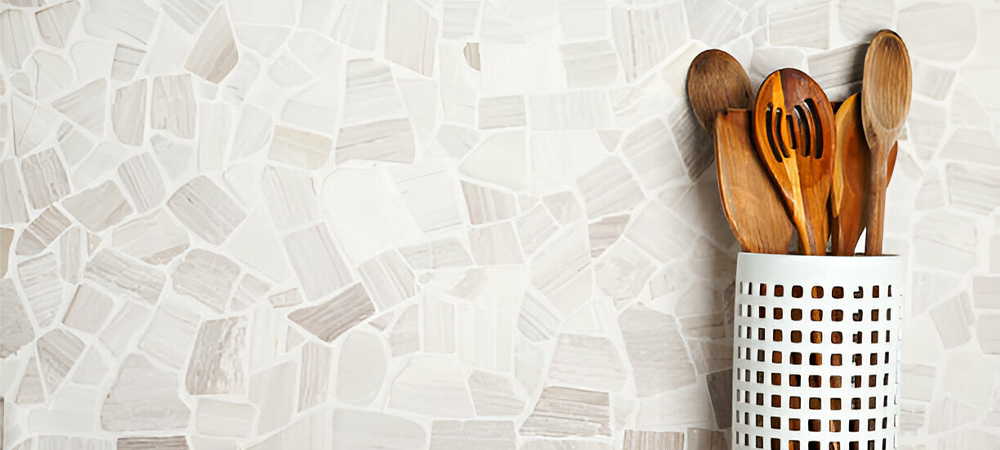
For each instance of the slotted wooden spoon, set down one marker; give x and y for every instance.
(717, 82)
(793, 127)
(885, 102)
(850, 178)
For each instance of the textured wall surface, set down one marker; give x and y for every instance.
(438, 224)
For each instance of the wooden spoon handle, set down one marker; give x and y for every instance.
(876, 204)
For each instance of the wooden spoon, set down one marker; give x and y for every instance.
(717, 82)
(885, 102)
(754, 209)
(793, 127)
(850, 178)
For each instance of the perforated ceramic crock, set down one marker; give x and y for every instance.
(816, 352)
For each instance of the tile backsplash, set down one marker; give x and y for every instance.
(443, 224)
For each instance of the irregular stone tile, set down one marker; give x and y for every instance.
(444, 253)
(968, 438)
(609, 188)
(370, 430)
(932, 81)
(456, 140)
(988, 333)
(176, 158)
(858, 20)
(495, 244)
(428, 191)
(273, 391)
(564, 444)
(537, 319)
(589, 64)
(720, 391)
(587, 361)
(214, 121)
(606, 232)
(300, 148)
(659, 232)
(173, 108)
(405, 335)
(216, 365)
(838, 71)
(970, 145)
(214, 53)
(100, 207)
(43, 287)
(335, 316)
(126, 61)
(128, 113)
(582, 19)
(952, 319)
(487, 205)
(16, 330)
(986, 291)
(283, 299)
(459, 19)
(317, 262)
(371, 93)
(534, 228)
(938, 31)
(657, 352)
(564, 412)
(290, 197)
(388, 279)
(51, 73)
(12, 207)
(41, 232)
(388, 140)
(263, 12)
(946, 242)
(438, 325)
(144, 398)
(411, 36)
(142, 181)
(644, 37)
(120, 22)
(314, 380)
(154, 239)
(650, 440)
(567, 257)
(253, 131)
(53, 442)
(58, 351)
(432, 385)
(701, 439)
(500, 159)
(124, 326)
(18, 38)
(32, 124)
(582, 110)
(254, 242)
(694, 144)
(89, 309)
(152, 443)
(206, 276)
(946, 413)
(206, 209)
(969, 377)
(85, 106)
(917, 382)
(361, 368)
(171, 333)
(44, 178)
(480, 434)
(501, 112)
(804, 26)
(189, 14)
(249, 292)
(6, 239)
(651, 150)
(31, 390)
(224, 418)
(714, 22)
(493, 395)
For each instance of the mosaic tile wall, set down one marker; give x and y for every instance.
(437, 224)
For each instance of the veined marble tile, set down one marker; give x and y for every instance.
(971, 145)
(6, 239)
(12, 207)
(85, 106)
(428, 191)
(800, 25)
(170, 334)
(173, 108)
(582, 19)
(88, 309)
(493, 395)
(404, 338)
(30, 390)
(359, 23)
(609, 188)
(623, 271)
(17, 330)
(495, 244)
(43, 286)
(986, 291)
(142, 181)
(645, 37)
(150, 443)
(438, 325)
(582, 110)
(538, 319)
(254, 242)
(309, 433)
(214, 54)
(126, 324)
(371, 93)
(587, 361)
(460, 19)
(253, 131)
(206, 209)
(127, 23)
(300, 148)
(499, 159)
(216, 364)
(317, 262)
(73, 144)
(58, 351)
(656, 350)
(480, 434)
(361, 368)
(314, 378)
(975, 189)
(50, 72)
(590, 64)
(44, 178)
(273, 391)
(128, 113)
(335, 316)
(838, 71)
(388, 278)
(206, 276)
(567, 257)
(371, 430)
(702, 439)
(534, 228)
(606, 232)
(290, 197)
(31, 122)
(41, 232)
(662, 440)
(953, 319)
(988, 333)
(144, 397)
(389, 140)
(100, 207)
(501, 112)
(565, 412)
(18, 37)
(970, 377)
(155, 239)
(939, 31)
(126, 62)
(650, 149)
(660, 232)
(433, 385)
(487, 205)
(224, 418)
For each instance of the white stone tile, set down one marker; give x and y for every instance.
(31, 124)
(501, 112)
(480, 434)
(433, 385)
(660, 232)
(41, 232)
(656, 350)
(564, 412)
(359, 24)
(255, 243)
(438, 326)
(19, 39)
(389, 140)
(495, 244)
(623, 271)
(428, 191)
(58, 352)
(6, 241)
(582, 110)
(273, 392)
(189, 14)
(176, 158)
(44, 178)
(538, 319)
(317, 262)
(366, 429)
(970, 378)
(609, 188)
(361, 368)
(565, 444)
(128, 113)
(290, 197)
(805, 25)
(947, 242)
(460, 19)
(85, 106)
(216, 364)
(410, 36)
(215, 122)
(645, 37)
(534, 228)
(155, 239)
(938, 31)
(587, 361)
(141, 443)
(42, 285)
(566, 257)
(314, 378)
(589, 64)
(127, 23)
(253, 131)
(299, 148)
(494, 395)
(953, 319)
(173, 108)
(144, 397)
(126, 61)
(500, 159)
(665, 440)
(52, 74)
(88, 309)
(388, 278)
(214, 54)
(100, 207)
(332, 318)
(207, 277)
(224, 418)
(404, 338)
(206, 209)
(371, 93)
(12, 207)
(30, 391)
(838, 71)
(171, 334)
(580, 19)
(17, 330)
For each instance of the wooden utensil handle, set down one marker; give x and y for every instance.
(876, 206)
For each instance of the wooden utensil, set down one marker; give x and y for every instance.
(850, 178)
(793, 127)
(754, 209)
(885, 102)
(715, 83)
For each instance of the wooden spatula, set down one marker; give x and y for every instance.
(885, 101)
(754, 209)
(793, 127)
(717, 82)
(850, 178)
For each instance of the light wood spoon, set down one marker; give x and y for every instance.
(717, 82)
(850, 178)
(885, 102)
(793, 127)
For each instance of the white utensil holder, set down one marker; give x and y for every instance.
(816, 352)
